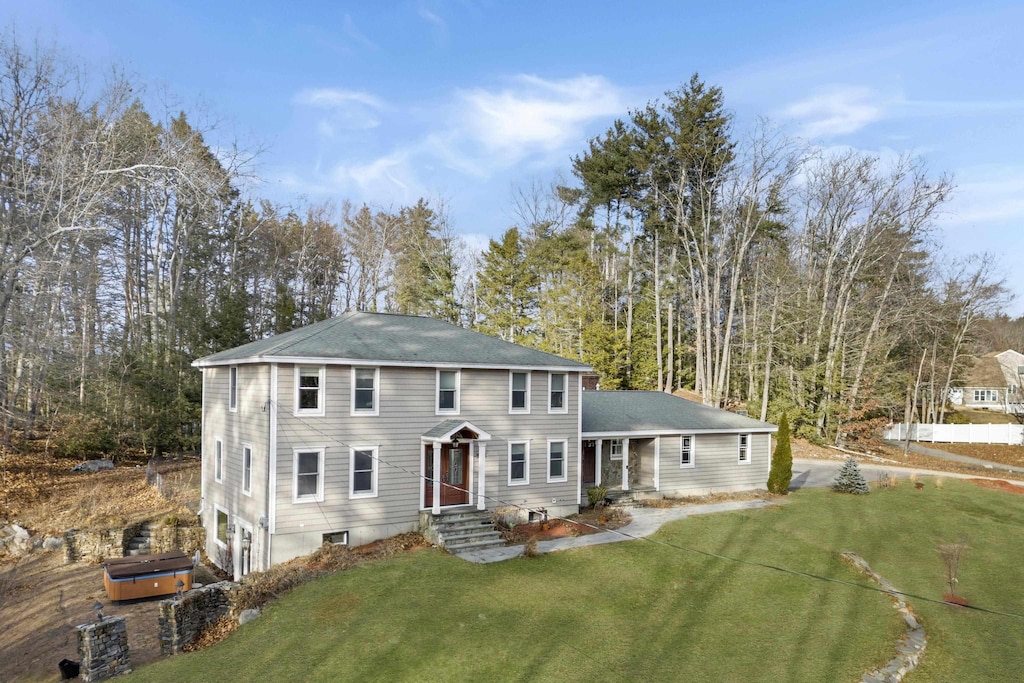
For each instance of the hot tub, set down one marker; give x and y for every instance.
(144, 576)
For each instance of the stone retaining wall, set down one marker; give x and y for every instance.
(103, 649)
(188, 539)
(94, 546)
(182, 620)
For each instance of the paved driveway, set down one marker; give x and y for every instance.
(820, 473)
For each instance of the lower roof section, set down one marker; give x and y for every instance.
(655, 412)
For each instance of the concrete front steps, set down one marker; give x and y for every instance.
(462, 530)
(141, 544)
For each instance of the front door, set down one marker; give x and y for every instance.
(454, 474)
(589, 462)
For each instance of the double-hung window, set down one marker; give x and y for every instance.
(308, 479)
(556, 393)
(363, 472)
(233, 388)
(686, 450)
(986, 395)
(615, 449)
(247, 470)
(556, 461)
(364, 391)
(519, 392)
(309, 390)
(744, 449)
(448, 392)
(518, 463)
(218, 461)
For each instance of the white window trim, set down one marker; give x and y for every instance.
(247, 447)
(376, 392)
(693, 451)
(739, 449)
(565, 393)
(218, 461)
(565, 461)
(529, 381)
(437, 392)
(611, 449)
(321, 391)
(352, 472)
(233, 389)
(319, 497)
(987, 395)
(217, 508)
(526, 464)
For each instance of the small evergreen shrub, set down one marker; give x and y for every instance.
(782, 461)
(596, 494)
(850, 479)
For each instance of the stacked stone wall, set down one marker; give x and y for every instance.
(95, 546)
(183, 619)
(188, 539)
(103, 649)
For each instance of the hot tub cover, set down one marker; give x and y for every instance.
(142, 565)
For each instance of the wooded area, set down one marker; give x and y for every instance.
(686, 254)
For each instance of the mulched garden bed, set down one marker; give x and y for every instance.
(998, 485)
(586, 523)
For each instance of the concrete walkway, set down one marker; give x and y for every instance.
(645, 522)
(945, 455)
(807, 473)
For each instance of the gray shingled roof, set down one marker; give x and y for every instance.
(385, 337)
(656, 411)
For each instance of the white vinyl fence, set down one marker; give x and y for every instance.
(1001, 433)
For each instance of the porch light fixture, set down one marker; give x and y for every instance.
(179, 585)
(98, 607)
(246, 542)
(455, 441)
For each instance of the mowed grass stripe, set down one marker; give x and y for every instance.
(643, 611)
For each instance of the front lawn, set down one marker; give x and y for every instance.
(643, 611)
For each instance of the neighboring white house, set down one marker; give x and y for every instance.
(365, 425)
(994, 382)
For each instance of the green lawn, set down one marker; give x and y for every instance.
(640, 611)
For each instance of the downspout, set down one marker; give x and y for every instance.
(202, 453)
(579, 441)
(271, 504)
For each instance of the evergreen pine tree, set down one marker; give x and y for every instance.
(850, 479)
(782, 460)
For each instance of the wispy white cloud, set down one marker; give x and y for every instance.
(529, 116)
(390, 177)
(349, 28)
(837, 110)
(476, 133)
(335, 97)
(431, 18)
(989, 194)
(343, 109)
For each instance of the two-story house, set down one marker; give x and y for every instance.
(348, 429)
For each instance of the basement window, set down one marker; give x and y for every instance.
(336, 538)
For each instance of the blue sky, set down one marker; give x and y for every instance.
(384, 102)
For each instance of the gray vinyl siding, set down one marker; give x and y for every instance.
(716, 466)
(248, 425)
(406, 407)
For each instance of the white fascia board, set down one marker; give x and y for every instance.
(650, 434)
(326, 360)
